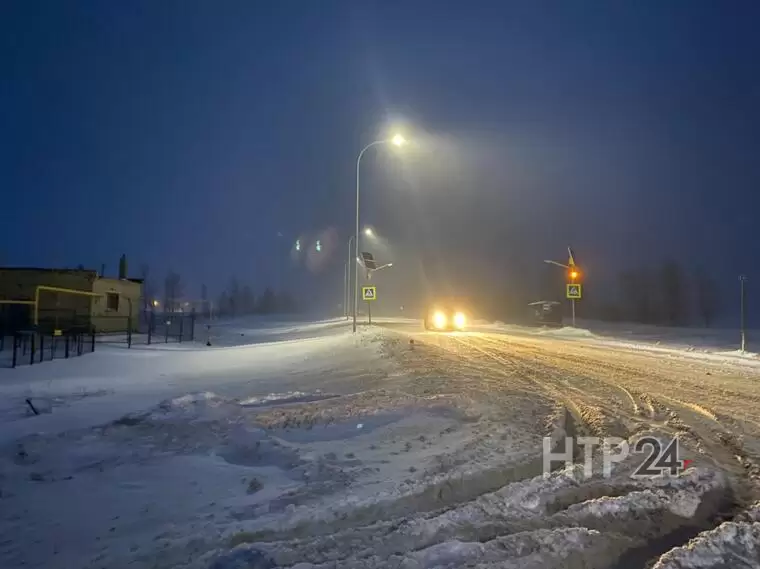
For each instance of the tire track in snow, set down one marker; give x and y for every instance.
(588, 407)
(582, 367)
(531, 374)
(695, 418)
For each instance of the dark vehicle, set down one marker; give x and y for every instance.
(546, 313)
(447, 314)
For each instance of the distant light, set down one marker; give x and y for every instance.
(460, 320)
(155, 303)
(318, 245)
(398, 140)
(368, 232)
(298, 244)
(439, 319)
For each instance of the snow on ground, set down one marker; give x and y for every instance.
(733, 545)
(703, 343)
(323, 450)
(257, 329)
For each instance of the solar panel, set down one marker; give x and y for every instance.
(369, 261)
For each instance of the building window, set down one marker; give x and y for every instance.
(112, 301)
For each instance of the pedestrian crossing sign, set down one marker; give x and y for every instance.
(573, 291)
(369, 293)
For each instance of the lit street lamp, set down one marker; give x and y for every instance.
(397, 140)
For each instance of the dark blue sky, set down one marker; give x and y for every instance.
(190, 135)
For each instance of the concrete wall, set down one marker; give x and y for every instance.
(107, 319)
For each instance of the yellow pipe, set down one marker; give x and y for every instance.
(17, 302)
(54, 289)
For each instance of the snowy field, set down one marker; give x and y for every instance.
(300, 445)
(710, 343)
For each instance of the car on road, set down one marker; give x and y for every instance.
(446, 314)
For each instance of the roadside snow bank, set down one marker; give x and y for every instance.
(542, 522)
(732, 545)
(729, 546)
(568, 332)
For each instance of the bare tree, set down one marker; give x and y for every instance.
(247, 300)
(223, 304)
(172, 291)
(205, 302)
(234, 296)
(708, 300)
(673, 290)
(637, 300)
(146, 285)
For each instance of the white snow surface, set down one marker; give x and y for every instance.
(714, 344)
(312, 451)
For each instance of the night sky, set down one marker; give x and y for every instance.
(206, 137)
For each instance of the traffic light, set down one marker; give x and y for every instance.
(573, 274)
(318, 245)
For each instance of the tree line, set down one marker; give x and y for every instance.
(239, 299)
(665, 295)
(236, 300)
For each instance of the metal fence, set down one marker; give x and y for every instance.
(61, 334)
(30, 347)
(147, 328)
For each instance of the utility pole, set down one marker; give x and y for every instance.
(743, 315)
(346, 285)
(573, 279)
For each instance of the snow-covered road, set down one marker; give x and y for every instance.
(395, 448)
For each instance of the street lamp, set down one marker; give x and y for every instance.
(397, 140)
(572, 275)
(347, 273)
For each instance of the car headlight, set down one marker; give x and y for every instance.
(460, 320)
(439, 319)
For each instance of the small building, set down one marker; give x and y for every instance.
(67, 299)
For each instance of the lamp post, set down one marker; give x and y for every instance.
(347, 281)
(572, 275)
(742, 312)
(347, 276)
(397, 140)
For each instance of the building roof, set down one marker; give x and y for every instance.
(66, 270)
(48, 269)
(136, 281)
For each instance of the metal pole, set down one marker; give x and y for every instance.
(743, 319)
(348, 279)
(573, 303)
(345, 289)
(369, 312)
(356, 244)
(356, 233)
